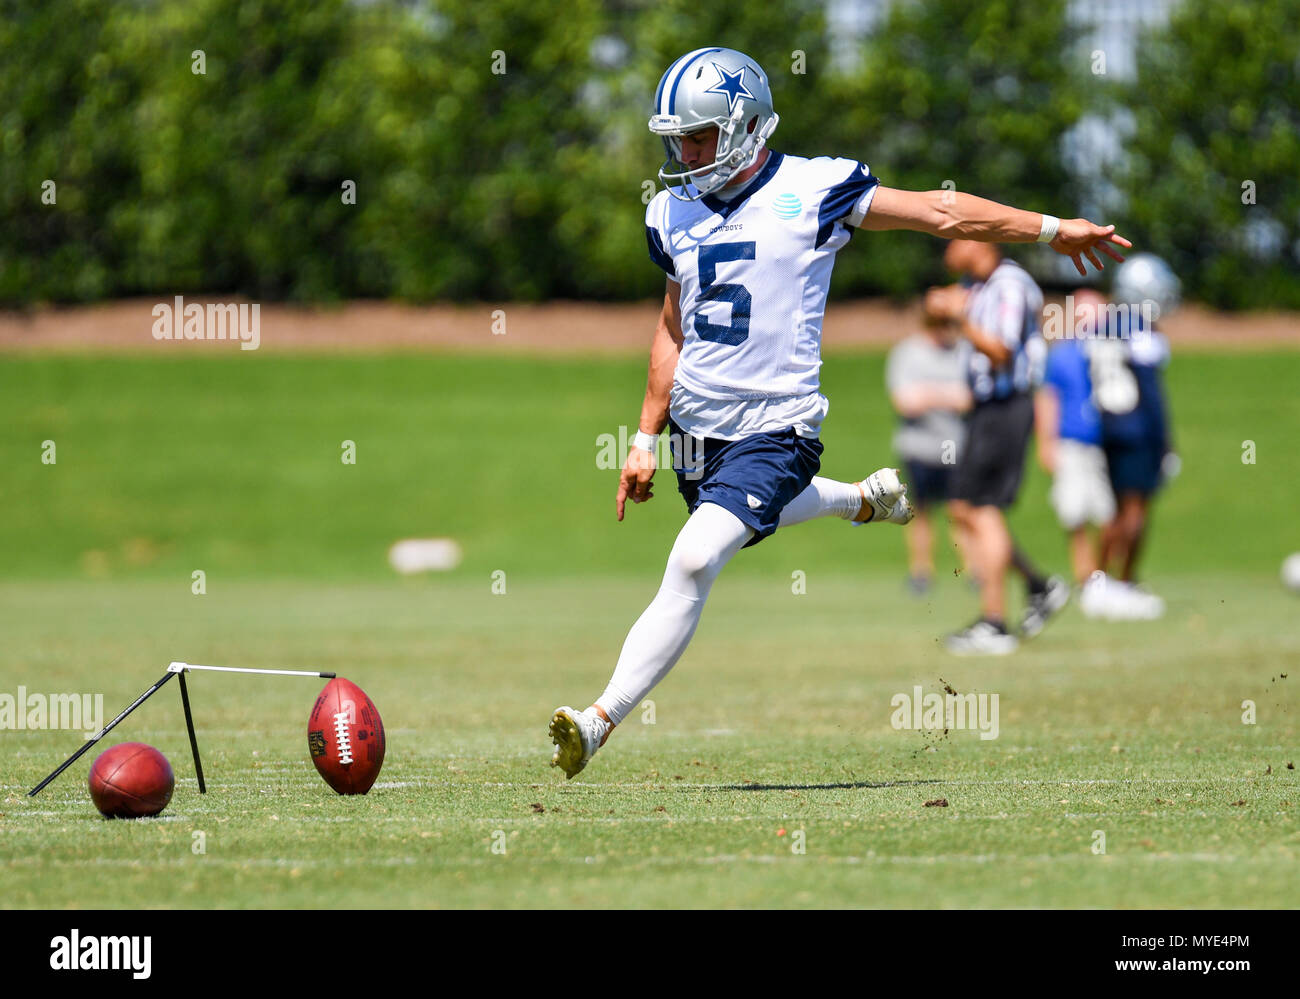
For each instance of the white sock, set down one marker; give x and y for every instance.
(823, 498)
(706, 543)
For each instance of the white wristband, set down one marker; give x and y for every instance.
(1049, 228)
(646, 442)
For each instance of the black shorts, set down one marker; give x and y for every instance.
(928, 484)
(989, 470)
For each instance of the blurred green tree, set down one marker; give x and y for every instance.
(1212, 161)
(242, 164)
(493, 180)
(498, 148)
(975, 97)
(66, 92)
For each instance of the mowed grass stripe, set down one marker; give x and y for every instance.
(233, 464)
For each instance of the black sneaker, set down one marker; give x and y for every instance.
(983, 638)
(1042, 607)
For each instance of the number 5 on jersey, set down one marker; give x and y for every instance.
(737, 332)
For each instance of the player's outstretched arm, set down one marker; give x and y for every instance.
(957, 215)
(639, 469)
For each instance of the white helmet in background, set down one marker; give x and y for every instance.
(712, 86)
(1146, 278)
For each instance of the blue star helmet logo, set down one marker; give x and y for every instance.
(732, 85)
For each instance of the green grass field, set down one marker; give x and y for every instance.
(770, 734)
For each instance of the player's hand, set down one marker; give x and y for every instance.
(1079, 237)
(635, 482)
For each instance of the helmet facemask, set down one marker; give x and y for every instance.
(737, 149)
(718, 87)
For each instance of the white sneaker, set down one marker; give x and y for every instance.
(1115, 600)
(1094, 596)
(577, 735)
(887, 495)
(1142, 604)
(982, 639)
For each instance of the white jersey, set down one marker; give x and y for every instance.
(754, 274)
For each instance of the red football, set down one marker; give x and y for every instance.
(130, 781)
(345, 737)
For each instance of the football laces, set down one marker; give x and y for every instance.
(341, 737)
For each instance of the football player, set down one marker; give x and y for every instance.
(747, 237)
(1126, 375)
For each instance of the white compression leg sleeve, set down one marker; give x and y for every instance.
(823, 498)
(706, 543)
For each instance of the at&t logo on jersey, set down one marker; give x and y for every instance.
(787, 206)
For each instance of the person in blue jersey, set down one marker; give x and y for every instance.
(1126, 365)
(1000, 314)
(746, 237)
(1068, 430)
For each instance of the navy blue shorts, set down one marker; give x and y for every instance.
(754, 477)
(1134, 468)
(927, 484)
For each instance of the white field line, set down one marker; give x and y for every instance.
(497, 754)
(829, 784)
(564, 819)
(624, 864)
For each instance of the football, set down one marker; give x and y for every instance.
(1291, 571)
(130, 781)
(345, 737)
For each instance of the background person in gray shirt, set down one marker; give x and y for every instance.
(926, 378)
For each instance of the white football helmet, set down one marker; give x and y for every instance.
(712, 86)
(1146, 279)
